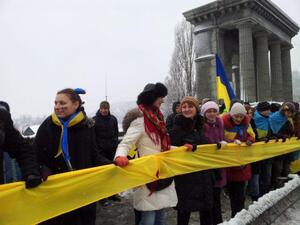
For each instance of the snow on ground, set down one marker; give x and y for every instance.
(267, 201)
(121, 213)
(290, 217)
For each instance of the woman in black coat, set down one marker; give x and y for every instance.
(64, 142)
(194, 190)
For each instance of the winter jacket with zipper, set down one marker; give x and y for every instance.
(136, 136)
(242, 132)
(194, 190)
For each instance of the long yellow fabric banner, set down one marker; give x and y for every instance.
(68, 191)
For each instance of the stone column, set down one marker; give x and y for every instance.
(207, 43)
(287, 73)
(276, 71)
(262, 67)
(236, 76)
(247, 72)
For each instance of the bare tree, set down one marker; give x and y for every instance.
(180, 81)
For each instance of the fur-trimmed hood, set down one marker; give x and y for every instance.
(130, 116)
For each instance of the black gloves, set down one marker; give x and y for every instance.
(265, 139)
(33, 181)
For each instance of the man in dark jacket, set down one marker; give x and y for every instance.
(107, 132)
(170, 118)
(12, 142)
(106, 128)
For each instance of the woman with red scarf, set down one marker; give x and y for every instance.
(149, 134)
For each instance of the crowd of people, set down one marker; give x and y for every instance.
(68, 140)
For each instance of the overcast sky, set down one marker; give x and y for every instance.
(47, 45)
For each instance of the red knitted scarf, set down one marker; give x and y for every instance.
(155, 126)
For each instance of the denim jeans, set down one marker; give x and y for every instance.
(12, 172)
(254, 186)
(152, 217)
(265, 177)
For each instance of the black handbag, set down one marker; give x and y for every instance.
(160, 184)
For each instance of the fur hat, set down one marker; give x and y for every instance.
(5, 106)
(263, 106)
(209, 105)
(237, 108)
(288, 106)
(151, 92)
(105, 105)
(190, 100)
(296, 106)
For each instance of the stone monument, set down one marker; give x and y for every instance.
(253, 40)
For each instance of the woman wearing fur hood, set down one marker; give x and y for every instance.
(149, 134)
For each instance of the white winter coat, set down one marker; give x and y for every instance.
(142, 200)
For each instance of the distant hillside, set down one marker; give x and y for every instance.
(296, 85)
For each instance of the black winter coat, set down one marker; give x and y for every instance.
(84, 154)
(107, 132)
(12, 142)
(170, 121)
(82, 146)
(194, 190)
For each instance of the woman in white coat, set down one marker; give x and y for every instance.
(149, 134)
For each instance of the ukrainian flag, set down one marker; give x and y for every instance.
(224, 90)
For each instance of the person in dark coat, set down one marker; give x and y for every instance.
(107, 132)
(261, 119)
(65, 141)
(106, 128)
(282, 127)
(171, 117)
(194, 190)
(12, 142)
(254, 191)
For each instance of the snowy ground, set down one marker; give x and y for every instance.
(121, 213)
(291, 216)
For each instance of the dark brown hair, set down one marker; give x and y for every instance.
(74, 97)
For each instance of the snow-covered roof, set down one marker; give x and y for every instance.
(30, 131)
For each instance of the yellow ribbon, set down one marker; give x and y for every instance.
(77, 119)
(71, 190)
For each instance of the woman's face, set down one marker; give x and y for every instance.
(288, 113)
(250, 113)
(211, 115)
(158, 102)
(188, 110)
(238, 118)
(265, 113)
(64, 107)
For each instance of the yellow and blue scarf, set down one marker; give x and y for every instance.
(262, 124)
(277, 120)
(63, 145)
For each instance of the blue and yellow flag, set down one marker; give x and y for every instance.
(224, 90)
